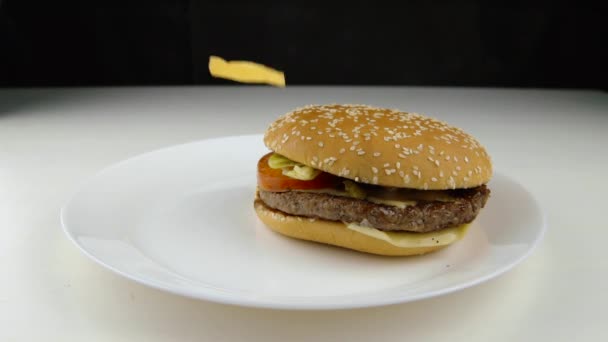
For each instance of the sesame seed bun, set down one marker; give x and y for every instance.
(381, 146)
(332, 233)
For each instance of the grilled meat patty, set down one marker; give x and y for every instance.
(424, 216)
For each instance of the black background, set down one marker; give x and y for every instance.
(162, 42)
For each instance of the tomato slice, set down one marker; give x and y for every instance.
(270, 179)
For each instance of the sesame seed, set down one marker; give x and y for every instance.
(374, 169)
(437, 162)
(352, 148)
(342, 150)
(320, 144)
(406, 179)
(433, 179)
(398, 165)
(360, 153)
(401, 155)
(452, 182)
(387, 164)
(376, 154)
(308, 138)
(466, 159)
(375, 180)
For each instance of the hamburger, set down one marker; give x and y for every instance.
(374, 180)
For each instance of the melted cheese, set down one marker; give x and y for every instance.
(245, 72)
(408, 239)
(328, 191)
(394, 203)
(411, 195)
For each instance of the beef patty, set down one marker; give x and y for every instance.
(425, 216)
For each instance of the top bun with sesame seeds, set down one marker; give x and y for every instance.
(381, 146)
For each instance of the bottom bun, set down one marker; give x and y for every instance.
(332, 233)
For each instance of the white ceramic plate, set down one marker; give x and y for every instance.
(181, 219)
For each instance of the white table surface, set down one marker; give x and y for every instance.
(51, 140)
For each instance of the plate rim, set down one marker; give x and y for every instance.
(315, 305)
